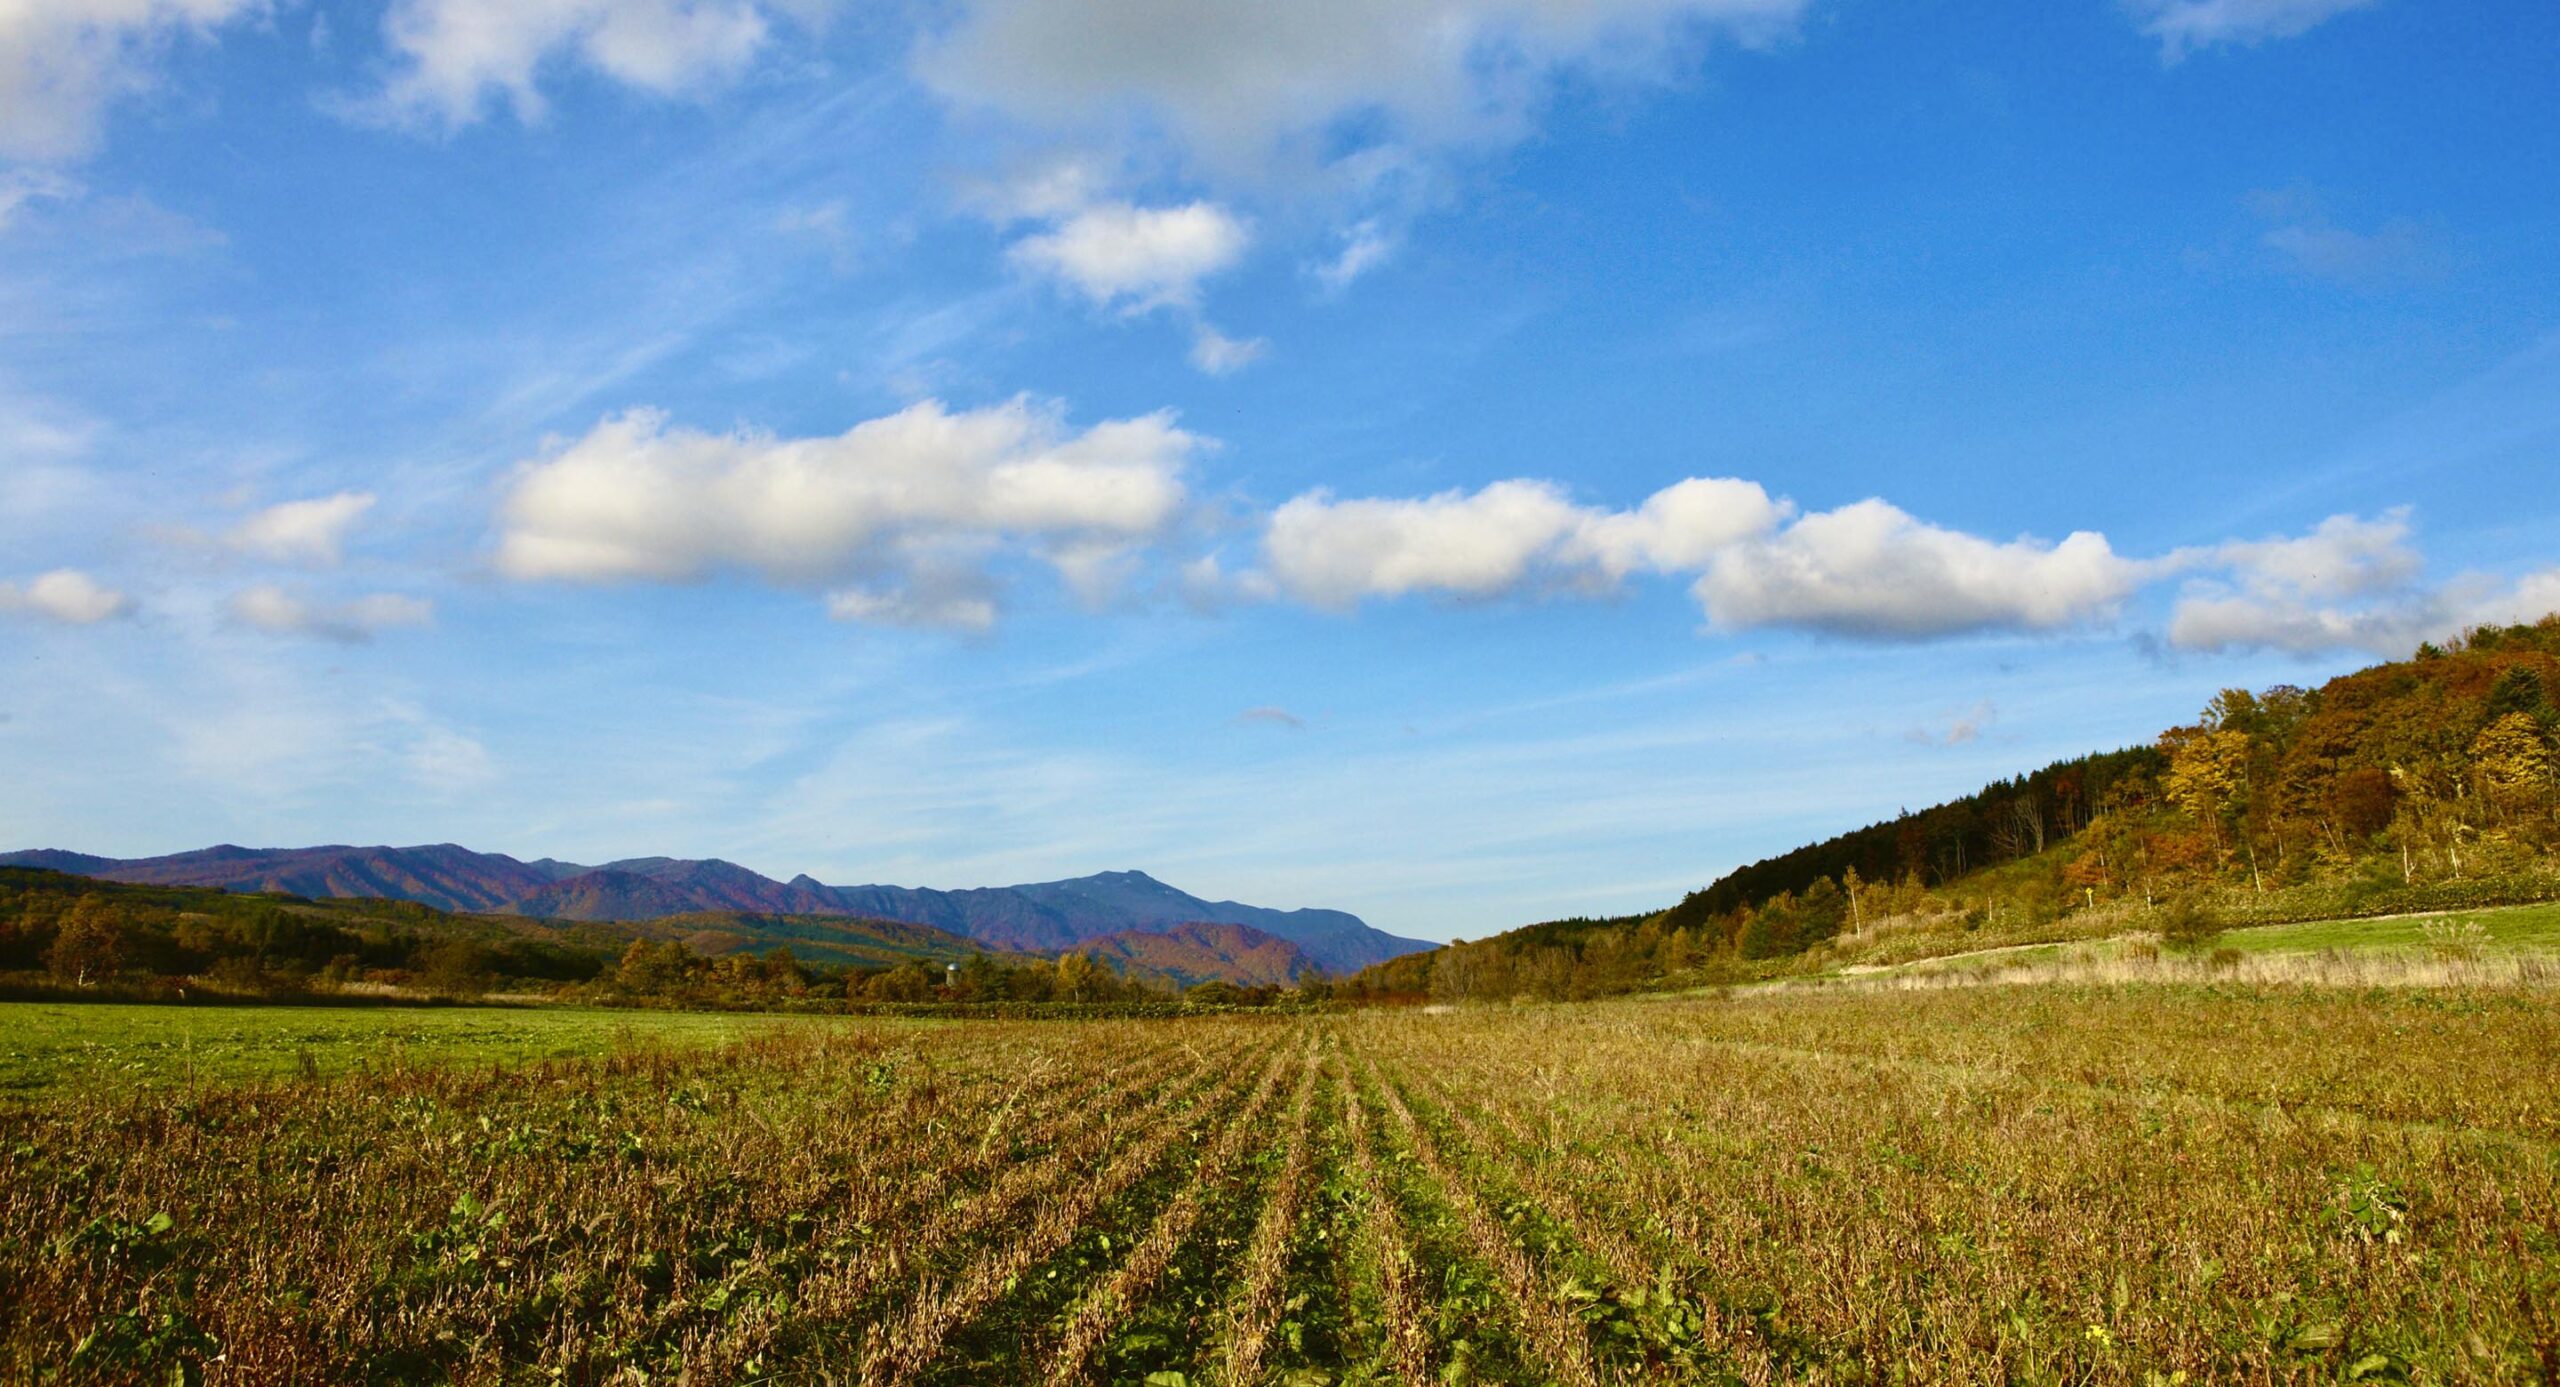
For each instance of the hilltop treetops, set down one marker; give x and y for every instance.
(2430, 782)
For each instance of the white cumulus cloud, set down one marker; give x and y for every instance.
(1867, 570)
(2251, 622)
(1679, 528)
(278, 611)
(311, 531)
(1137, 258)
(904, 516)
(1506, 537)
(62, 62)
(1335, 552)
(1231, 79)
(2216, 620)
(457, 54)
(2343, 556)
(2349, 584)
(1872, 570)
(66, 595)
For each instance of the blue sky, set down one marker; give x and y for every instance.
(1462, 461)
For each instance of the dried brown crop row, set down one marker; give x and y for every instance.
(1092, 1320)
(896, 1353)
(1550, 1325)
(1408, 1345)
(941, 1221)
(1576, 1190)
(1253, 1312)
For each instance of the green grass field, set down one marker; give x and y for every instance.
(2517, 929)
(46, 1046)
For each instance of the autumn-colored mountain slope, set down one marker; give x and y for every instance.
(1195, 952)
(2433, 780)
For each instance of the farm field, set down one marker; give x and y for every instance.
(2142, 1185)
(45, 1045)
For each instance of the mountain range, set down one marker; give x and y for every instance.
(1038, 917)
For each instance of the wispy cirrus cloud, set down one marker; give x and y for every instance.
(280, 611)
(456, 58)
(2303, 237)
(1347, 114)
(64, 62)
(312, 531)
(2183, 26)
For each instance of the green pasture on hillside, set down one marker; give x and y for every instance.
(2495, 932)
(2518, 929)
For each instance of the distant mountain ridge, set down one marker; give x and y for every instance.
(1038, 917)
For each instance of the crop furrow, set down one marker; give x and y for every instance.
(1254, 1310)
(897, 1353)
(954, 1220)
(1530, 1165)
(903, 1171)
(1408, 1343)
(1551, 1327)
(1093, 1320)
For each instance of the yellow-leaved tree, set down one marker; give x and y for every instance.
(2512, 762)
(2207, 772)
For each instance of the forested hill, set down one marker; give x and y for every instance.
(1045, 917)
(69, 936)
(86, 930)
(2003, 820)
(2430, 779)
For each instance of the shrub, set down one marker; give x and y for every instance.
(2189, 922)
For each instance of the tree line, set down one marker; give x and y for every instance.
(84, 937)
